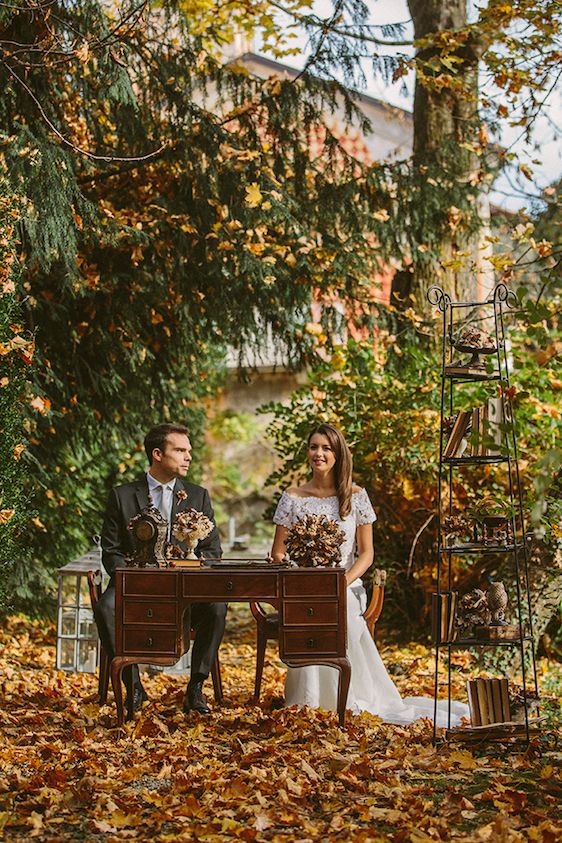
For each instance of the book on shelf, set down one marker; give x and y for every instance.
(458, 432)
(452, 615)
(481, 447)
(473, 707)
(482, 702)
(473, 447)
(495, 419)
(504, 693)
(488, 683)
(443, 609)
(481, 426)
(488, 701)
(497, 700)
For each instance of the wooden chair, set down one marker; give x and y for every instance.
(94, 585)
(373, 611)
(267, 623)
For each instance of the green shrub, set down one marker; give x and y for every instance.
(384, 393)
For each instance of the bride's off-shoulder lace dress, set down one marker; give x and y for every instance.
(371, 688)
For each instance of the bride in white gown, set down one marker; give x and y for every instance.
(330, 492)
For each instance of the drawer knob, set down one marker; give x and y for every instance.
(149, 642)
(310, 611)
(311, 643)
(149, 613)
(229, 585)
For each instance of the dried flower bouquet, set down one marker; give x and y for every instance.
(315, 541)
(190, 526)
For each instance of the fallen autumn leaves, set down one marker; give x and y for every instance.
(249, 772)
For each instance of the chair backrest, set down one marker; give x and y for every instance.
(94, 586)
(374, 609)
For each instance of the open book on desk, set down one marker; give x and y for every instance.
(241, 561)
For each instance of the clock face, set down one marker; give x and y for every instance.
(144, 531)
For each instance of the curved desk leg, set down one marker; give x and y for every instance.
(340, 664)
(344, 668)
(117, 665)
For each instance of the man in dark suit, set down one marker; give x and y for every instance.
(168, 450)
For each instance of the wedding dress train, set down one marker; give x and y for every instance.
(371, 688)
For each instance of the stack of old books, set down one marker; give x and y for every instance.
(443, 610)
(488, 701)
(476, 432)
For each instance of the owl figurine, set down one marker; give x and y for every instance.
(497, 599)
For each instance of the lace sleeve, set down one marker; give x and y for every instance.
(364, 512)
(284, 510)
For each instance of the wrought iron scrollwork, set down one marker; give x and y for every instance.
(502, 293)
(437, 296)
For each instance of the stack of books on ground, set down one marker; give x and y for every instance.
(475, 433)
(443, 611)
(488, 701)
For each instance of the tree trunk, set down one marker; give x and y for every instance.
(444, 119)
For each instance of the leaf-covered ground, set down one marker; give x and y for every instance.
(251, 772)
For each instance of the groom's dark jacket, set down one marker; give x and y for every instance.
(127, 501)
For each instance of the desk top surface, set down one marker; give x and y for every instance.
(219, 565)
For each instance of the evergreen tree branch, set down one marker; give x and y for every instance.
(74, 147)
(314, 20)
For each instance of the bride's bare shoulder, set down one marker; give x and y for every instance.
(296, 491)
(355, 489)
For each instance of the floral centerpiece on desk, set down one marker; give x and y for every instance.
(190, 526)
(314, 541)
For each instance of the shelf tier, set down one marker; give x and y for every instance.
(483, 642)
(471, 377)
(460, 549)
(474, 460)
(489, 734)
(494, 731)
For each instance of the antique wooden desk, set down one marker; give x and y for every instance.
(150, 603)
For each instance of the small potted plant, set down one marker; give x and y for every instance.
(493, 519)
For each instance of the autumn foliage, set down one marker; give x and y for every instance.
(173, 208)
(250, 772)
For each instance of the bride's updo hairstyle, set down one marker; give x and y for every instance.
(343, 467)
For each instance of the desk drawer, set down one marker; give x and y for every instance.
(313, 641)
(160, 642)
(311, 583)
(155, 583)
(228, 586)
(149, 612)
(310, 612)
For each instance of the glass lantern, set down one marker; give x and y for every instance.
(77, 635)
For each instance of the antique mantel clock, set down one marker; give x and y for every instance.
(149, 530)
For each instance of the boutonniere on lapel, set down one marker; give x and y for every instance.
(181, 495)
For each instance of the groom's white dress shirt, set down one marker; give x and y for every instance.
(162, 496)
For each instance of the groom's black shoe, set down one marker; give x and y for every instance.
(194, 699)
